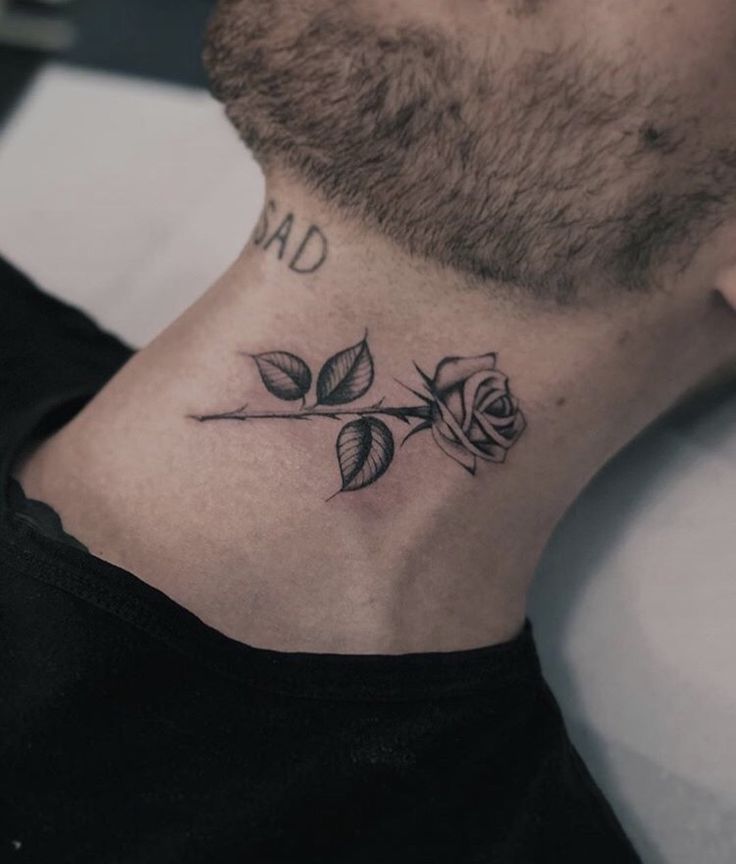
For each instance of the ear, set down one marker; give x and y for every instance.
(726, 285)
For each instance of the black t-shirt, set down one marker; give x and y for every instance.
(131, 732)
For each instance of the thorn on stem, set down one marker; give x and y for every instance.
(420, 428)
(427, 380)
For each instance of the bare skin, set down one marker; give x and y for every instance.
(230, 519)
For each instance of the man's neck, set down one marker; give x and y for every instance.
(236, 516)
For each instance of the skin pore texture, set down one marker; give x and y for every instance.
(590, 250)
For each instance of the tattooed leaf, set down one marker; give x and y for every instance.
(285, 375)
(365, 449)
(346, 376)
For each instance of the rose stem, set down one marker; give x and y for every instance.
(422, 412)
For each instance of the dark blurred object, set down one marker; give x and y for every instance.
(158, 39)
(17, 67)
(152, 38)
(39, 25)
(28, 32)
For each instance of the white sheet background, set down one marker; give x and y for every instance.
(128, 198)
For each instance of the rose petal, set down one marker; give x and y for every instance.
(499, 422)
(470, 394)
(502, 407)
(477, 433)
(454, 450)
(493, 434)
(519, 423)
(459, 435)
(519, 418)
(453, 399)
(492, 395)
(494, 453)
(456, 370)
(496, 381)
(506, 435)
(500, 435)
(444, 429)
(516, 418)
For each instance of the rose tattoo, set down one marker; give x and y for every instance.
(467, 405)
(474, 414)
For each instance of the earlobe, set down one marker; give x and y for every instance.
(726, 285)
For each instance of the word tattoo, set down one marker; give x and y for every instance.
(304, 252)
(467, 406)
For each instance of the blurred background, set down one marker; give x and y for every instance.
(158, 39)
(123, 190)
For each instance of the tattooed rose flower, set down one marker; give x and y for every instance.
(467, 405)
(474, 414)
